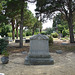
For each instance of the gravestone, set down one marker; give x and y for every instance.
(17, 41)
(39, 51)
(27, 41)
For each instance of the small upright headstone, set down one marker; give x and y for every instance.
(17, 41)
(39, 51)
(27, 41)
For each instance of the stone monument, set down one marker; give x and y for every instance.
(39, 51)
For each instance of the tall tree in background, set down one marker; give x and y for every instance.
(59, 23)
(67, 7)
(57, 20)
(0, 7)
(2, 2)
(12, 10)
(21, 25)
(22, 20)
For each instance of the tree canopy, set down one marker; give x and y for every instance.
(49, 7)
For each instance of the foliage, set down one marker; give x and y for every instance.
(5, 53)
(24, 34)
(28, 33)
(3, 44)
(9, 34)
(60, 23)
(2, 2)
(50, 39)
(56, 20)
(49, 30)
(29, 19)
(31, 22)
(0, 7)
(5, 29)
(66, 7)
(13, 8)
(3, 19)
(65, 32)
(60, 28)
(43, 33)
(35, 33)
(55, 35)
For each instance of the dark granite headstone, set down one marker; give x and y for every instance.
(27, 41)
(17, 41)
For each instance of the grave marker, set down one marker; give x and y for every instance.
(39, 51)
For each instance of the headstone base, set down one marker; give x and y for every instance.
(38, 61)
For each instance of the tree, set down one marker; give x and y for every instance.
(2, 12)
(0, 7)
(17, 25)
(56, 20)
(12, 10)
(21, 25)
(30, 22)
(2, 2)
(5, 29)
(22, 3)
(60, 23)
(49, 30)
(29, 19)
(67, 7)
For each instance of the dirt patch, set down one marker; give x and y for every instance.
(57, 45)
(64, 64)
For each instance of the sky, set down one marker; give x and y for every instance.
(31, 6)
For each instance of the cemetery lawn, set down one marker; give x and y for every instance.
(65, 46)
(64, 64)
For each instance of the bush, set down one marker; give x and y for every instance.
(55, 35)
(5, 53)
(5, 29)
(9, 34)
(3, 45)
(49, 30)
(50, 39)
(28, 33)
(43, 33)
(65, 32)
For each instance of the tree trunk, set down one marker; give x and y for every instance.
(40, 22)
(17, 31)
(71, 32)
(40, 30)
(13, 29)
(70, 22)
(21, 25)
(33, 31)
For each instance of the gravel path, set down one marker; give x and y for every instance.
(64, 65)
